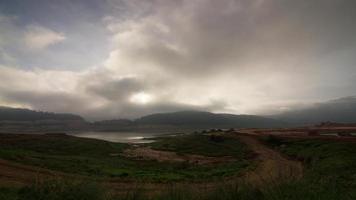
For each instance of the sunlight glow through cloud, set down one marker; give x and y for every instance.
(141, 98)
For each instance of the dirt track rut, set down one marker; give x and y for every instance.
(272, 167)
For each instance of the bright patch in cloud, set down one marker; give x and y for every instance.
(38, 37)
(141, 98)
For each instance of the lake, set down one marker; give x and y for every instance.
(122, 137)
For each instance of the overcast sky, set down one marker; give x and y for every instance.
(127, 58)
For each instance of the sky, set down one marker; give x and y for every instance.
(107, 59)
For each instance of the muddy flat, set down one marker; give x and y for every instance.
(146, 153)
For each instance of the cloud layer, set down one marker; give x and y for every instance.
(39, 38)
(240, 56)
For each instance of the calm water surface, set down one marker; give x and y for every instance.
(122, 137)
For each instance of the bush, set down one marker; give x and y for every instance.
(273, 140)
(216, 138)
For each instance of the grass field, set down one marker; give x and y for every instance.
(95, 158)
(202, 145)
(329, 172)
(330, 169)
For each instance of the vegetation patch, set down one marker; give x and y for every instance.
(98, 158)
(330, 168)
(214, 145)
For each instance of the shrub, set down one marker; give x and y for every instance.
(273, 140)
(216, 138)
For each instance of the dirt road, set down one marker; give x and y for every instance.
(272, 167)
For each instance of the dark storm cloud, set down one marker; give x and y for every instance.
(116, 90)
(241, 56)
(199, 37)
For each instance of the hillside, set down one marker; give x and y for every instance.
(341, 110)
(20, 114)
(15, 120)
(19, 120)
(197, 119)
(337, 111)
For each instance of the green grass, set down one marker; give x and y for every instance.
(92, 158)
(330, 168)
(202, 145)
(330, 174)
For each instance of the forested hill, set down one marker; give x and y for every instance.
(208, 120)
(341, 110)
(20, 114)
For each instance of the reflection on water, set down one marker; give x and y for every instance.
(122, 137)
(337, 134)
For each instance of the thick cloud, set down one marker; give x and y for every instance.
(240, 56)
(199, 37)
(114, 90)
(95, 94)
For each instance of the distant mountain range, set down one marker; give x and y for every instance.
(341, 110)
(17, 120)
(207, 119)
(20, 114)
(187, 121)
